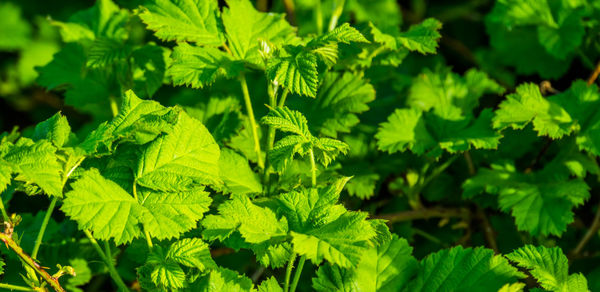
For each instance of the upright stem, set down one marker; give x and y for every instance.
(318, 17)
(261, 5)
(111, 268)
(40, 236)
(288, 273)
(10, 243)
(594, 75)
(283, 98)
(336, 15)
(313, 168)
(297, 273)
(253, 125)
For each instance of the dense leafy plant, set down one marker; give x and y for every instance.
(220, 147)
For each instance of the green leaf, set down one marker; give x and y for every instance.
(221, 116)
(104, 19)
(36, 163)
(527, 105)
(528, 12)
(65, 67)
(151, 65)
(55, 129)
(109, 211)
(295, 69)
(340, 98)
(254, 223)
(6, 171)
(514, 287)
(301, 141)
(550, 267)
(170, 214)
(246, 27)
(186, 156)
(164, 273)
(541, 202)
(427, 133)
(184, 20)
(270, 285)
(237, 175)
(223, 279)
(387, 267)
(104, 52)
(15, 32)
(82, 277)
(464, 269)
(191, 252)
(341, 241)
(286, 120)
(198, 67)
(422, 37)
(102, 206)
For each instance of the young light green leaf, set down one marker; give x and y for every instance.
(187, 155)
(550, 267)
(184, 20)
(295, 69)
(5, 175)
(198, 67)
(464, 269)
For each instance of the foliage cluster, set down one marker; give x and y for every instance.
(205, 145)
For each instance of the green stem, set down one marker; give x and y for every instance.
(10, 243)
(336, 15)
(283, 97)
(148, 239)
(4, 214)
(313, 168)
(270, 135)
(253, 125)
(297, 273)
(109, 264)
(288, 273)
(15, 287)
(318, 17)
(40, 236)
(107, 251)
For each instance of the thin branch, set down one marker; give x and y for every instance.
(6, 237)
(425, 214)
(290, 10)
(593, 230)
(594, 75)
(488, 230)
(15, 287)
